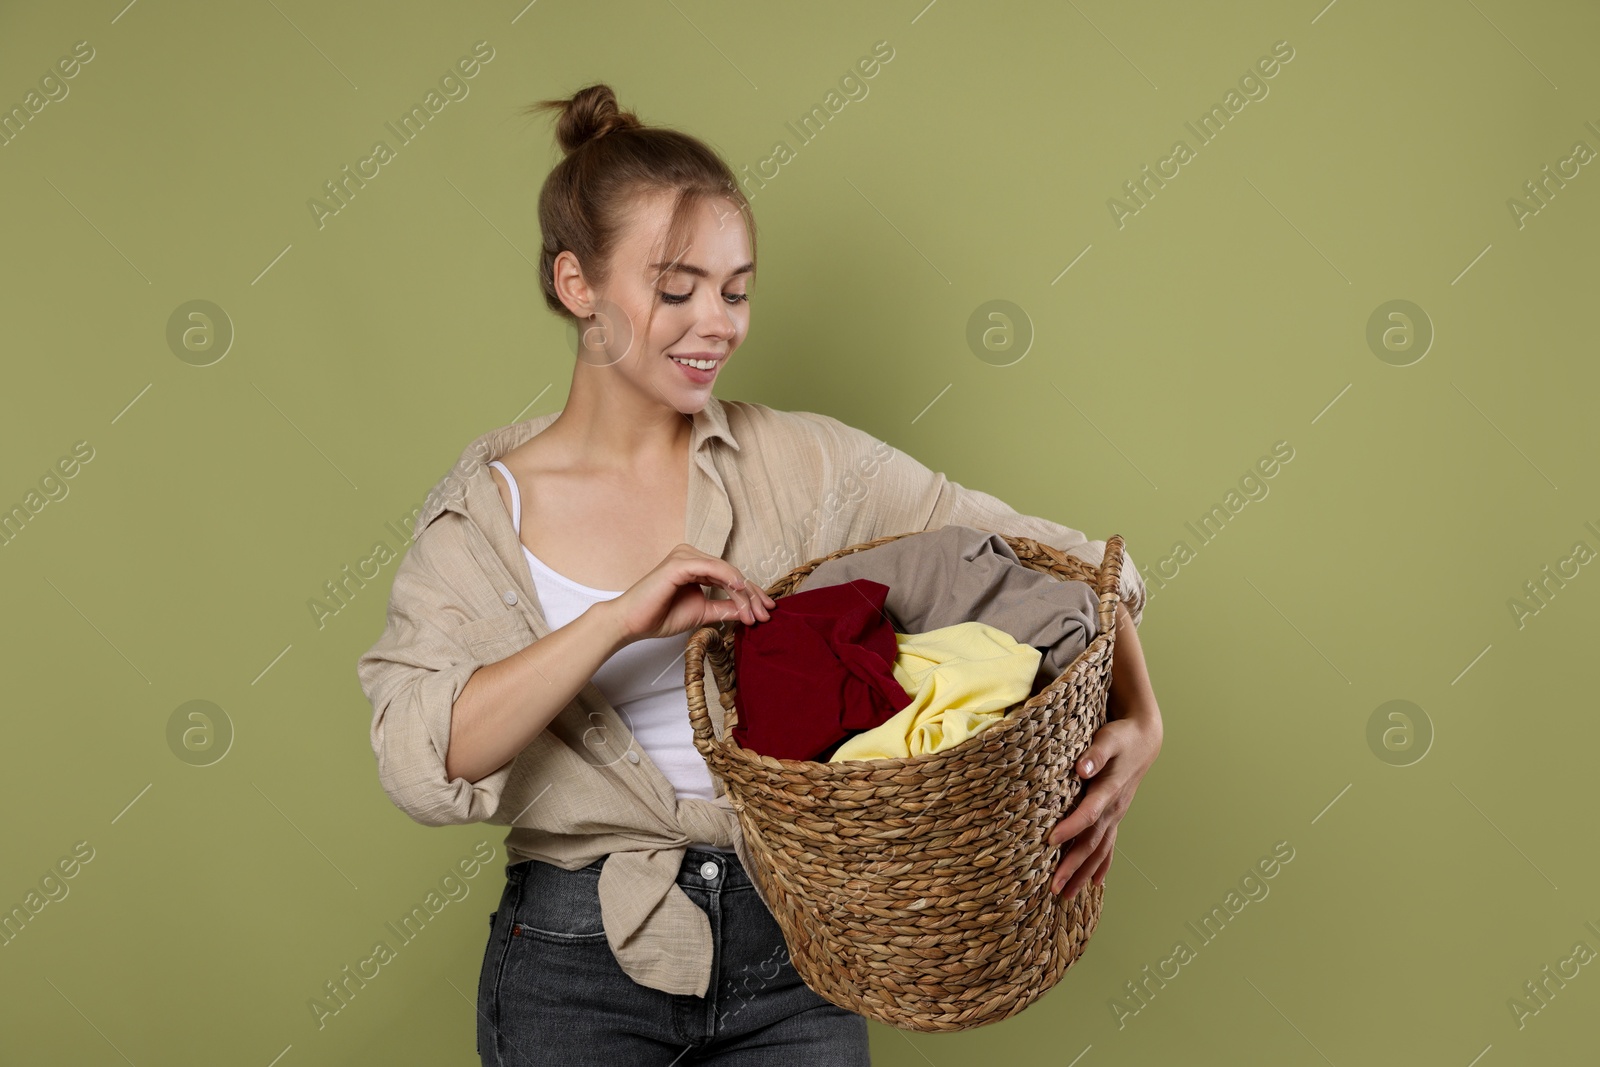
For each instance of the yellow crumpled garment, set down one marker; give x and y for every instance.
(961, 679)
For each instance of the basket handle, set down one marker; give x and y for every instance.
(694, 663)
(1108, 584)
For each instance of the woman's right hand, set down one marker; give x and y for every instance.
(669, 600)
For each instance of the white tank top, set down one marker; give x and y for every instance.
(643, 680)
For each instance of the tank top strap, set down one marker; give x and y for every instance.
(516, 496)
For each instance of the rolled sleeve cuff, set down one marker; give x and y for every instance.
(417, 729)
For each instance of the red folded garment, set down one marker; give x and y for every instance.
(820, 669)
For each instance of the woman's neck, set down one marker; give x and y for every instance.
(609, 425)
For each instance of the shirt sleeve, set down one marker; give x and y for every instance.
(894, 493)
(431, 644)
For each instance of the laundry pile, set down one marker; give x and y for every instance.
(903, 649)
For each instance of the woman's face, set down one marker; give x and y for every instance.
(700, 295)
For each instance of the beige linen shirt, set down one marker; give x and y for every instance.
(768, 490)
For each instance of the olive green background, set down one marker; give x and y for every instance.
(1443, 858)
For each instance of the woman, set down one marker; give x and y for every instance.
(531, 670)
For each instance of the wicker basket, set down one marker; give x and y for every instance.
(916, 890)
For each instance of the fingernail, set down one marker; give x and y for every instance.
(1088, 766)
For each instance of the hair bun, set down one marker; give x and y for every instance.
(591, 113)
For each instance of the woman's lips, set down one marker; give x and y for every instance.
(695, 374)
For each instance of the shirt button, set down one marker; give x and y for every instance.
(510, 597)
(708, 870)
(632, 756)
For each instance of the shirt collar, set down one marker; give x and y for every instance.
(711, 423)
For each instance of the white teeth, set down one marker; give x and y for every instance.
(697, 364)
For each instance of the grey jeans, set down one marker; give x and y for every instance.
(551, 992)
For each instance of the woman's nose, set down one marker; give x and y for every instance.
(719, 322)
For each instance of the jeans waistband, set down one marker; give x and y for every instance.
(701, 868)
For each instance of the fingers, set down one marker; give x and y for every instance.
(1093, 804)
(1095, 758)
(1105, 865)
(1064, 870)
(1070, 881)
(1108, 741)
(753, 597)
(734, 608)
(1075, 862)
(750, 603)
(1097, 793)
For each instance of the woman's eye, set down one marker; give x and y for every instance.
(678, 298)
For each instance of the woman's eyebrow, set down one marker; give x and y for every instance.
(699, 272)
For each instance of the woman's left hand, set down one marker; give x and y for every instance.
(1117, 759)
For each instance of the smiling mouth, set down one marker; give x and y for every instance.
(697, 364)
